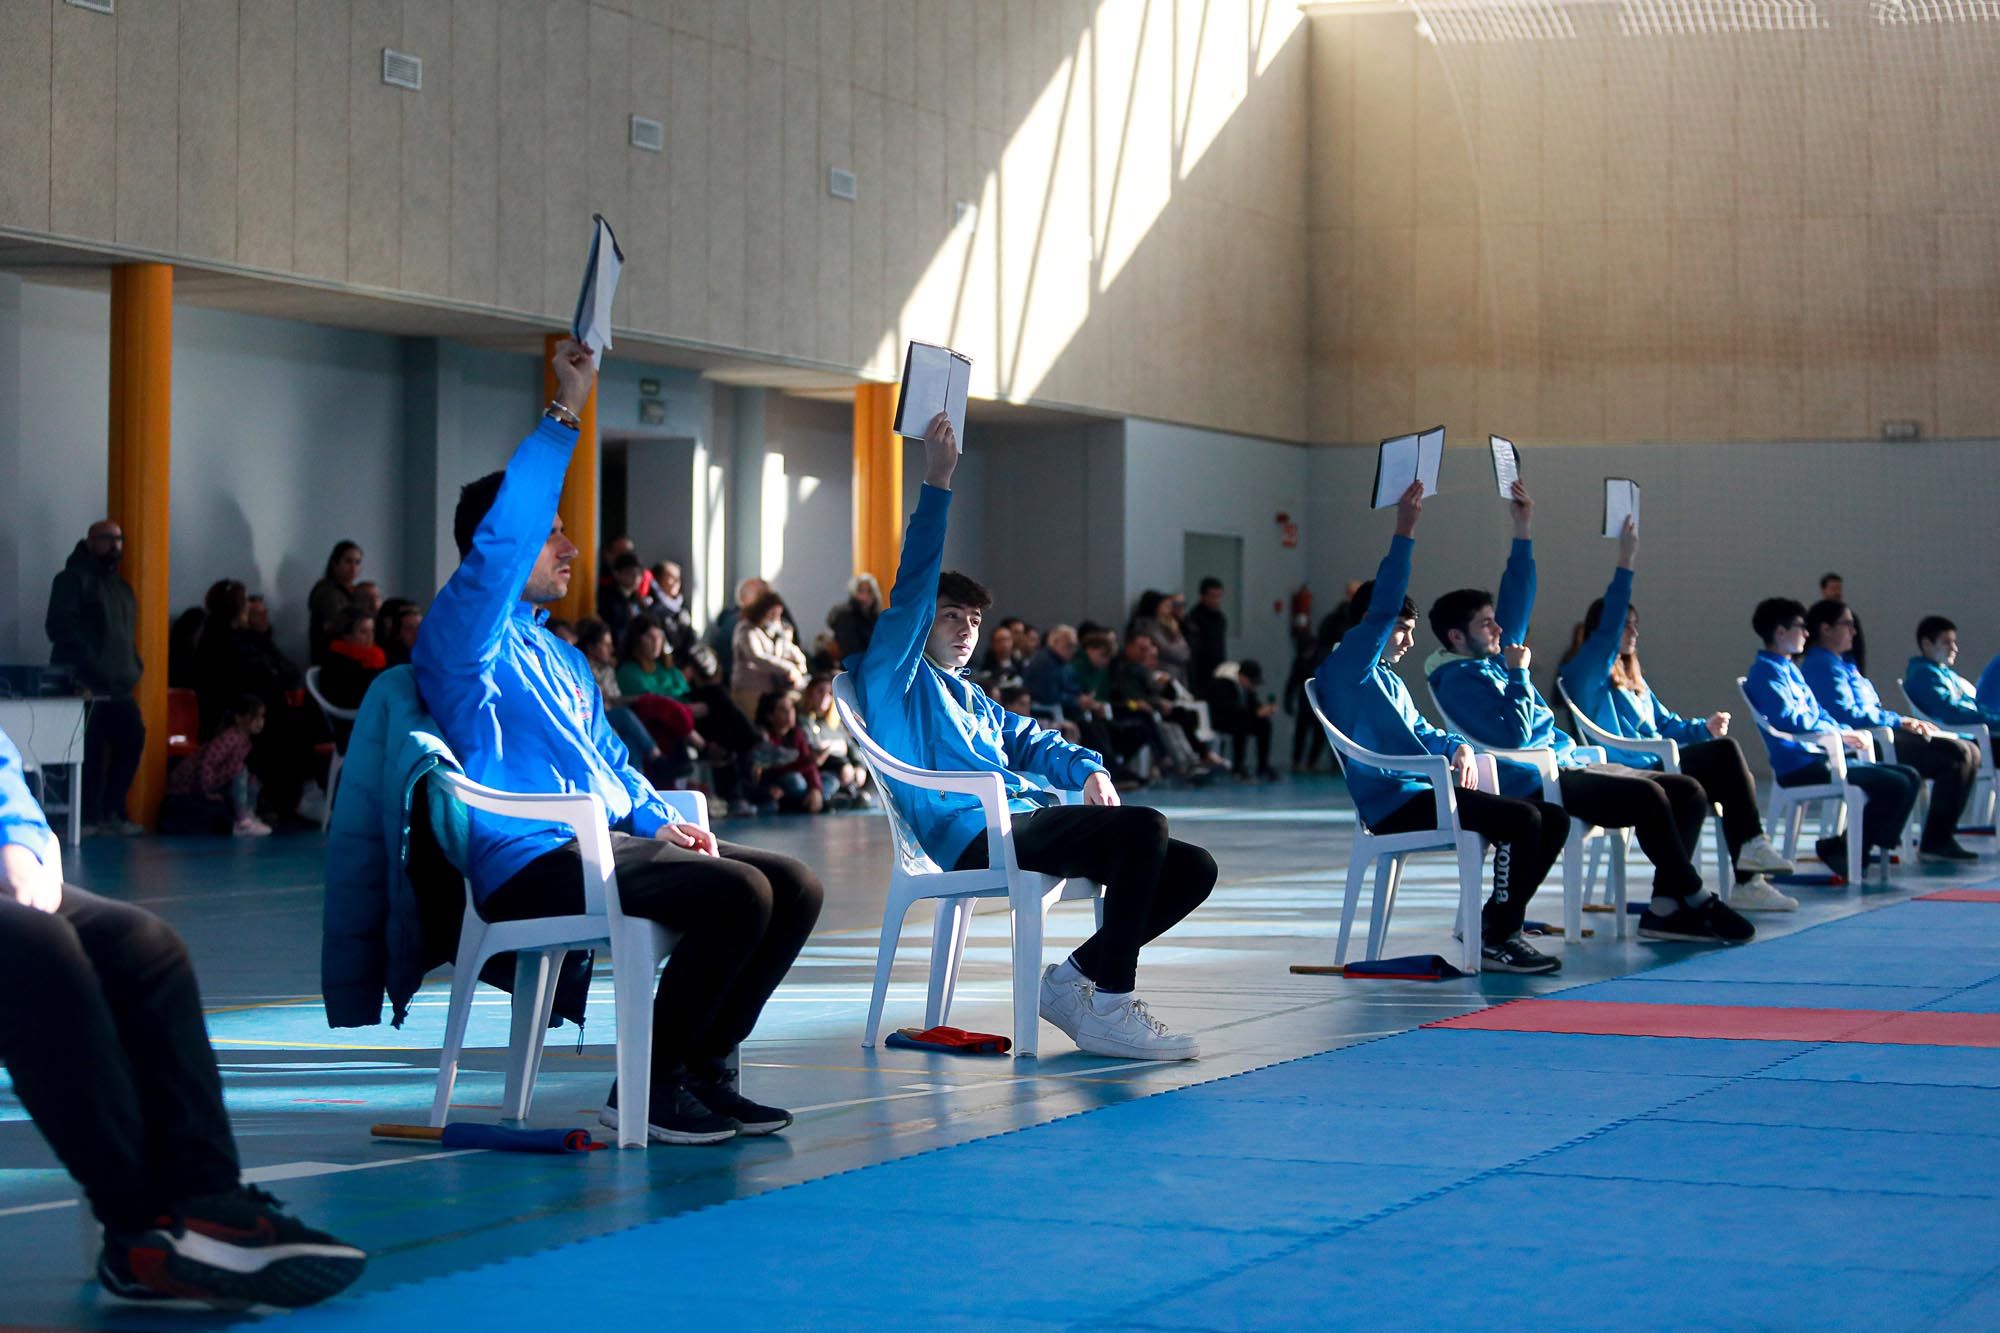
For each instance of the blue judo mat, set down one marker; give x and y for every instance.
(1549, 1179)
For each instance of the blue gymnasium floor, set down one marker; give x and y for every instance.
(1323, 1162)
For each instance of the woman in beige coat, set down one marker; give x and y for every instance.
(764, 656)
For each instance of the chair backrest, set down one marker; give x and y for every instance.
(312, 688)
(909, 852)
(1596, 735)
(1347, 748)
(1836, 756)
(183, 721)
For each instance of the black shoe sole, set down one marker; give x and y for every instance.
(1687, 937)
(679, 1138)
(1538, 970)
(759, 1128)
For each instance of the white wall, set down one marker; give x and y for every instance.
(1180, 480)
(1909, 526)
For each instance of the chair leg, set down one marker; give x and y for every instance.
(1027, 922)
(1378, 907)
(534, 997)
(1725, 871)
(954, 922)
(464, 981)
(1471, 862)
(332, 786)
(885, 959)
(1614, 887)
(1357, 870)
(1854, 803)
(1591, 870)
(1573, 884)
(633, 962)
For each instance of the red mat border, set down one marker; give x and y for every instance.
(1604, 1018)
(1959, 896)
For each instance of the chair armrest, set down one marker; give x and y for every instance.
(582, 812)
(1595, 753)
(1541, 759)
(1885, 743)
(1831, 744)
(1489, 774)
(689, 807)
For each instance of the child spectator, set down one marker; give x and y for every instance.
(352, 660)
(832, 747)
(212, 790)
(593, 640)
(787, 778)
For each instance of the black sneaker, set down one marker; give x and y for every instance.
(230, 1251)
(1710, 921)
(1832, 853)
(676, 1116)
(1515, 954)
(115, 1276)
(719, 1091)
(1946, 851)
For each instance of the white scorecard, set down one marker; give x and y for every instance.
(591, 324)
(1621, 501)
(1506, 464)
(1402, 459)
(935, 379)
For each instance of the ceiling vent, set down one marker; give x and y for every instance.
(98, 6)
(648, 134)
(400, 69)
(840, 183)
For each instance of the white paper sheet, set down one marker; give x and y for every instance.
(935, 379)
(1403, 459)
(1621, 500)
(591, 324)
(1506, 464)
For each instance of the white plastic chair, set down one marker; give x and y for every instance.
(1788, 804)
(913, 876)
(331, 713)
(1669, 752)
(1581, 835)
(1981, 736)
(638, 947)
(1388, 852)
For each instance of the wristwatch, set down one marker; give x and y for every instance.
(561, 415)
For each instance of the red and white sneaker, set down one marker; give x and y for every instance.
(231, 1251)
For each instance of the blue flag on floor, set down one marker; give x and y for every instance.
(1416, 967)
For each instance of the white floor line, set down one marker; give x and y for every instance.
(983, 1086)
(257, 1175)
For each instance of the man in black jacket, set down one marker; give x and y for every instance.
(92, 624)
(1208, 635)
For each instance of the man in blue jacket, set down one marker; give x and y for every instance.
(1363, 696)
(1850, 698)
(919, 706)
(101, 1031)
(1937, 690)
(523, 713)
(1781, 696)
(1481, 681)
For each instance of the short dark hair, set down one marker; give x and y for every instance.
(1098, 638)
(245, 705)
(1821, 614)
(1773, 612)
(1250, 669)
(1210, 582)
(767, 703)
(762, 606)
(1830, 577)
(1932, 628)
(589, 630)
(956, 589)
(634, 635)
(1357, 605)
(623, 561)
(1455, 610)
(1013, 693)
(475, 498)
(350, 618)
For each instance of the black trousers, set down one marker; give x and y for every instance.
(1892, 793)
(1243, 727)
(1151, 881)
(113, 738)
(1527, 838)
(1664, 810)
(1949, 763)
(101, 1029)
(1725, 777)
(743, 916)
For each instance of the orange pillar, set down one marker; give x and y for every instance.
(142, 365)
(878, 484)
(578, 506)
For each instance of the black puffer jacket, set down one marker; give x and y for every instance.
(93, 623)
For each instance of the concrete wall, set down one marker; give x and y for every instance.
(1724, 528)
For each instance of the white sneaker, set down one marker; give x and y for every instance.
(1131, 1031)
(1063, 1001)
(1760, 895)
(1760, 856)
(251, 828)
(312, 804)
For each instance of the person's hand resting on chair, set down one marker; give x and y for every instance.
(691, 836)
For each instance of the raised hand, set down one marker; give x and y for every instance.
(1523, 506)
(1409, 508)
(1628, 543)
(575, 374)
(1518, 656)
(940, 452)
(1718, 725)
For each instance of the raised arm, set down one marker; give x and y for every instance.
(463, 629)
(1361, 647)
(890, 663)
(1599, 652)
(1516, 607)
